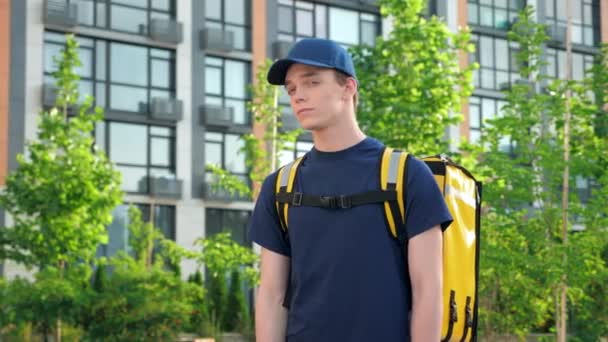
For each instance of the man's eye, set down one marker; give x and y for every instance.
(290, 91)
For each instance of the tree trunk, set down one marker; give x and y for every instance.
(563, 288)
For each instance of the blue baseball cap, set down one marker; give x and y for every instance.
(316, 52)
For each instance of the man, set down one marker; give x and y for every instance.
(348, 279)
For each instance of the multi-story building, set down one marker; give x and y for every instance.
(172, 76)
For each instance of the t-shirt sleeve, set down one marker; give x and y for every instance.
(264, 226)
(425, 207)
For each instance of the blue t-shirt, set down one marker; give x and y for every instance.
(349, 278)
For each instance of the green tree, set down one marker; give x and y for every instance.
(236, 315)
(410, 83)
(143, 298)
(520, 158)
(63, 192)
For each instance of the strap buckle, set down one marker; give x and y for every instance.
(345, 202)
(328, 202)
(297, 199)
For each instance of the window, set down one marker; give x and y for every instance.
(131, 16)
(118, 230)
(232, 221)
(556, 64)
(297, 151)
(497, 14)
(223, 150)
(585, 19)
(139, 151)
(233, 16)
(497, 62)
(480, 110)
(303, 19)
(121, 77)
(226, 83)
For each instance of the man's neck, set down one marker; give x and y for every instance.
(337, 138)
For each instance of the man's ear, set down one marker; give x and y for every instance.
(351, 87)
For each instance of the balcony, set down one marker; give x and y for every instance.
(162, 187)
(166, 109)
(166, 31)
(60, 12)
(216, 40)
(216, 116)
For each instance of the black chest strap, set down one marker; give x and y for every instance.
(336, 202)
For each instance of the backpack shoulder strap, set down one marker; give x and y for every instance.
(392, 170)
(284, 184)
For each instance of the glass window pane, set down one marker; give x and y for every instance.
(50, 51)
(133, 178)
(161, 131)
(487, 79)
(549, 9)
(161, 73)
(85, 88)
(344, 26)
(128, 143)
(475, 136)
(54, 37)
(472, 13)
(100, 63)
(240, 36)
(160, 53)
(213, 9)
(285, 19)
(158, 172)
(86, 15)
(486, 51)
(304, 22)
(240, 111)
(129, 64)
(577, 11)
(474, 121)
(485, 16)
(561, 10)
(501, 19)
(235, 12)
(488, 110)
(235, 159)
(100, 94)
(101, 15)
(86, 59)
(100, 135)
(160, 151)
(213, 81)
(502, 54)
(128, 19)
(321, 21)
(164, 218)
(368, 33)
(163, 4)
(235, 84)
(127, 98)
(213, 154)
(577, 34)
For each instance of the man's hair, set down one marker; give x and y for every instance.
(342, 78)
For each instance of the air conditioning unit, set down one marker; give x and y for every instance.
(165, 187)
(280, 49)
(166, 109)
(49, 94)
(165, 30)
(61, 12)
(557, 33)
(216, 39)
(218, 116)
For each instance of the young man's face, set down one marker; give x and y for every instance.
(317, 100)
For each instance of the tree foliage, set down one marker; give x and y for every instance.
(410, 82)
(63, 192)
(520, 159)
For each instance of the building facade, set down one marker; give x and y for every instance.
(172, 77)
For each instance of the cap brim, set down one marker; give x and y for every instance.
(278, 70)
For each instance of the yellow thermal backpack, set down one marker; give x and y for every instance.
(462, 194)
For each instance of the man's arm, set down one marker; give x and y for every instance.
(270, 315)
(425, 262)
